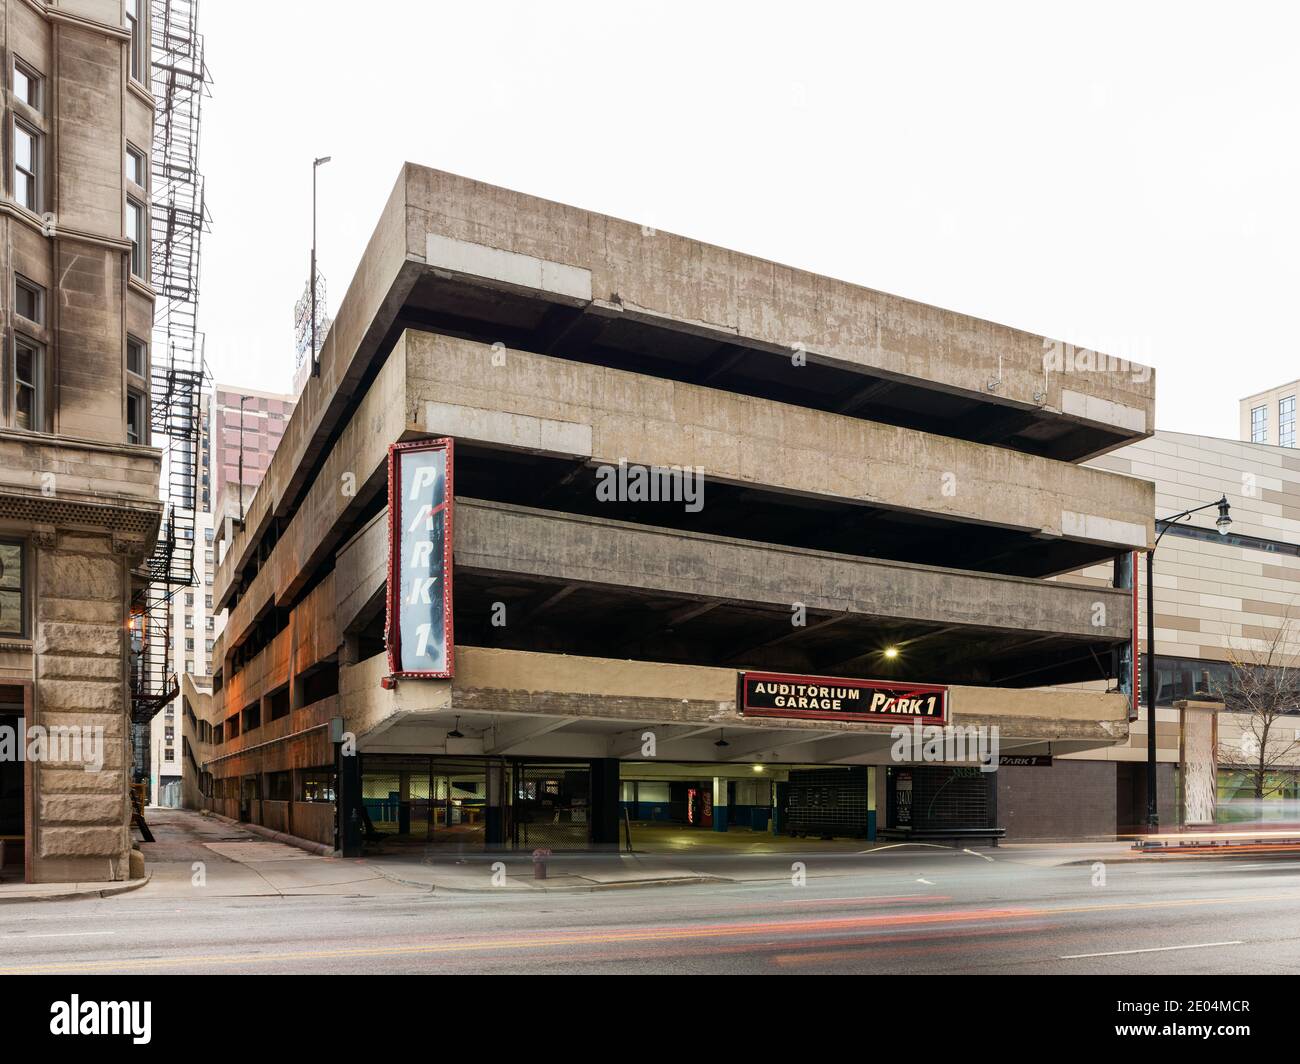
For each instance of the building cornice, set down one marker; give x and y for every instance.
(55, 14)
(49, 228)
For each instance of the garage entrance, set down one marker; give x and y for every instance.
(471, 804)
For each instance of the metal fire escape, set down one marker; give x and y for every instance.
(179, 220)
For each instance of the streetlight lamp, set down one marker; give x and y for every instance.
(1221, 522)
(316, 165)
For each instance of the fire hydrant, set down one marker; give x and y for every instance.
(539, 863)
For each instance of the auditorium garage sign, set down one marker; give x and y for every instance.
(768, 694)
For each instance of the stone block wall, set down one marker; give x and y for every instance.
(81, 821)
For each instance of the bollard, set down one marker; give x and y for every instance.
(539, 863)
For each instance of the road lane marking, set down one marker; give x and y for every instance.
(62, 934)
(1153, 949)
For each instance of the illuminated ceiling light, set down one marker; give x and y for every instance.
(757, 768)
(891, 653)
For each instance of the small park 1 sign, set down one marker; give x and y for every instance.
(420, 512)
(767, 694)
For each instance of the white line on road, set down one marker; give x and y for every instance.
(64, 934)
(925, 881)
(974, 854)
(1155, 949)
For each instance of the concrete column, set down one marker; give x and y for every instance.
(404, 803)
(719, 803)
(497, 785)
(351, 822)
(872, 773)
(604, 802)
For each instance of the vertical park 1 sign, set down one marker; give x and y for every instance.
(420, 508)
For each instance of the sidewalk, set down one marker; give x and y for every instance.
(515, 872)
(25, 892)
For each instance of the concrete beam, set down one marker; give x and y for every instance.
(571, 549)
(512, 736)
(666, 279)
(548, 406)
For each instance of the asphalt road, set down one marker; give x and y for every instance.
(901, 911)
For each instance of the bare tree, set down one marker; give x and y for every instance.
(1263, 688)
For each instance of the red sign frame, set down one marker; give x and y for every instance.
(899, 690)
(392, 625)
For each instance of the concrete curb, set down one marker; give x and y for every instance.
(319, 849)
(628, 884)
(107, 890)
(1179, 856)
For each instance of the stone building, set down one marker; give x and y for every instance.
(79, 509)
(1269, 416)
(886, 488)
(1225, 603)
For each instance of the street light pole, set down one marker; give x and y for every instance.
(316, 165)
(1222, 522)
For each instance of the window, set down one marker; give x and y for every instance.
(28, 392)
(135, 216)
(317, 785)
(29, 300)
(27, 166)
(1286, 421)
(136, 171)
(136, 31)
(1259, 424)
(135, 426)
(207, 601)
(27, 85)
(137, 357)
(13, 589)
(279, 786)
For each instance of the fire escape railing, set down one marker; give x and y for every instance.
(179, 218)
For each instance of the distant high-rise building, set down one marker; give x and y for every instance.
(250, 423)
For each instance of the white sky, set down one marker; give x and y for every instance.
(1119, 176)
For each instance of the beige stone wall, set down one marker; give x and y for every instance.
(84, 503)
(81, 681)
(1214, 600)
